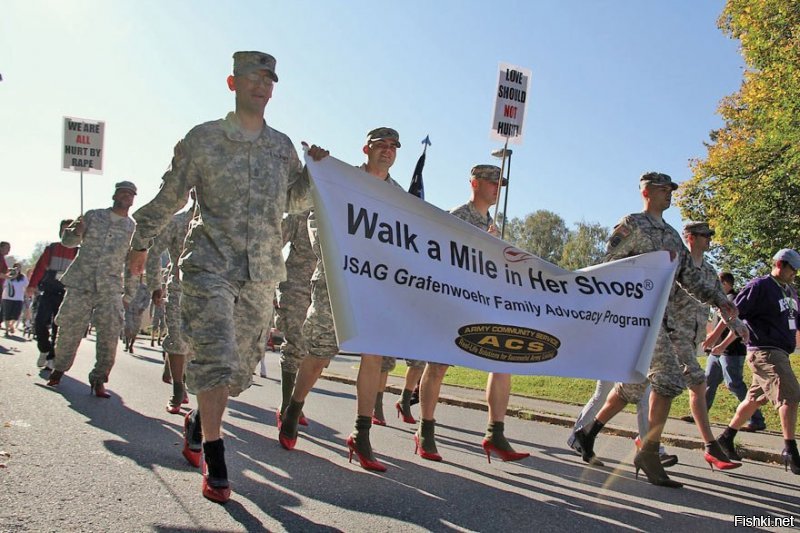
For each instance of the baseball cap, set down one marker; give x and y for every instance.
(790, 256)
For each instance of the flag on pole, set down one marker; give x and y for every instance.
(417, 188)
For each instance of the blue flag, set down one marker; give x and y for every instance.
(417, 188)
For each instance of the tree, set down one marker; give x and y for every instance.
(748, 185)
(542, 233)
(585, 246)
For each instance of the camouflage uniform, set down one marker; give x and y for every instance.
(318, 331)
(232, 259)
(640, 233)
(294, 293)
(170, 239)
(94, 283)
(468, 213)
(690, 325)
(137, 305)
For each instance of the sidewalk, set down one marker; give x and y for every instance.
(761, 446)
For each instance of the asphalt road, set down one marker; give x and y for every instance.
(72, 462)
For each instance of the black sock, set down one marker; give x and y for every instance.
(729, 433)
(214, 452)
(597, 426)
(197, 434)
(290, 418)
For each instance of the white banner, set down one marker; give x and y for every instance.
(513, 85)
(409, 280)
(83, 145)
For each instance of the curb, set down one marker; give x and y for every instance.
(680, 441)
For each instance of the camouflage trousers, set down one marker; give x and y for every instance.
(133, 320)
(674, 365)
(79, 308)
(159, 317)
(226, 324)
(174, 342)
(294, 298)
(318, 330)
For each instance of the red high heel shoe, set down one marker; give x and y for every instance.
(286, 441)
(490, 448)
(216, 490)
(715, 456)
(407, 419)
(173, 409)
(303, 421)
(718, 459)
(377, 421)
(720, 464)
(418, 450)
(366, 464)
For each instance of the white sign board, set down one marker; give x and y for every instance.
(513, 85)
(83, 145)
(407, 279)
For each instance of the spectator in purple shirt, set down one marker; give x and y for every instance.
(769, 307)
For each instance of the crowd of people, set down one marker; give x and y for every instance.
(250, 198)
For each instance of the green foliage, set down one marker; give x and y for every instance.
(748, 185)
(585, 246)
(545, 234)
(542, 233)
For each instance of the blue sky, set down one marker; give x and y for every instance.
(618, 88)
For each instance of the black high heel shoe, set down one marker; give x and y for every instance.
(586, 443)
(791, 460)
(650, 463)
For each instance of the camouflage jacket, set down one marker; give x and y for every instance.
(170, 240)
(640, 233)
(104, 248)
(470, 214)
(243, 188)
(690, 315)
(312, 224)
(300, 261)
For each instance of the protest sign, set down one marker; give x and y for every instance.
(513, 86)
(82, 149)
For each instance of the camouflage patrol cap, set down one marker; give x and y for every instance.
(486, 172)
(379, 134)
(125, 185)
(246, 62)
(658, 179)
(698, 228)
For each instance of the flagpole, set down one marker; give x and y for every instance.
(500, 185)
